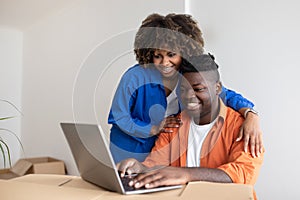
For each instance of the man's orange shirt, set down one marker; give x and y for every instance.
(219, 149)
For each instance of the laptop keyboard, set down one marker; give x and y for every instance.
(125, 181)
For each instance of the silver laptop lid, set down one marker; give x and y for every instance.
(92, 156)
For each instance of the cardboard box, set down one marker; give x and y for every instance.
(7, 174)
(40, 165)
(62, 187)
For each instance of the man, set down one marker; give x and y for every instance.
(204, 147)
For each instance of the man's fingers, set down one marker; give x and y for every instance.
(128, 166)
(156, 183)
(148, 180)
(122, 169)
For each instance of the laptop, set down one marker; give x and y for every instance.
(94, 161)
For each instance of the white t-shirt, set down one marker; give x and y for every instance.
(197, 134)
(172, 103)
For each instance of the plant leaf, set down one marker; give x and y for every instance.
(3, 145)
(5, 118)
(15, 135)
(15, 107)
(3, 152)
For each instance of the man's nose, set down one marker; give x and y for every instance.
(190, 93)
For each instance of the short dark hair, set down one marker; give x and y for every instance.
(201, 63)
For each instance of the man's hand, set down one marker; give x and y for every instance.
(130, 166)
(161, 177)
(250, 131)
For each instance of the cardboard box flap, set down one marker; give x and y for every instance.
(39, 165)
(218, 191)
(45, 179)
(46, 165)
(14, 190)
(7, 174)
(73, 187)
(21, 167)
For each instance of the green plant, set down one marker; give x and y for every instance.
(4, 148)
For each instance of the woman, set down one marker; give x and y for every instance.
(147, 91)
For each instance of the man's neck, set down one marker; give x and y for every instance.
(209, 117)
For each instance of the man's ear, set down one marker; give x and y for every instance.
(218, 87)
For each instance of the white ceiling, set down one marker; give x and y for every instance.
(20, 14)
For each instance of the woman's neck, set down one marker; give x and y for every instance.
(170, 84)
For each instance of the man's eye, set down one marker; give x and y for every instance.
(198, 89)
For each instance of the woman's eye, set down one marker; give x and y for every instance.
(156, 56)
(171, 54)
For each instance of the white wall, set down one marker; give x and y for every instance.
(55, 51)
(257, 44)
(11, 42)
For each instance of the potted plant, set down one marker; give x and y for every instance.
(4, 147)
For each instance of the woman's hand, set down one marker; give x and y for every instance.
(252, 134)
(167, 125)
